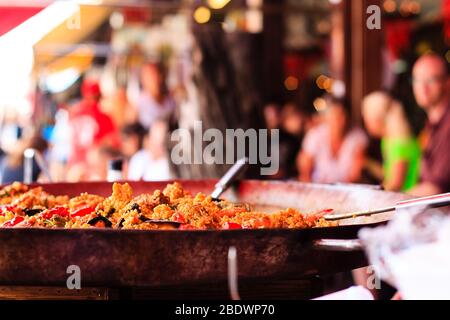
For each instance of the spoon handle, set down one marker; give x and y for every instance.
(229, 177)
(436, 201)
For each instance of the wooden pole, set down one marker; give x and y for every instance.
(273, 35)
(362, 60)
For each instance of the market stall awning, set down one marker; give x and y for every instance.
(62, 40)
(12, 16)
(81, 58)
(64, 71)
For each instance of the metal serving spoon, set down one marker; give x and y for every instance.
(228, 178)
(436, 201)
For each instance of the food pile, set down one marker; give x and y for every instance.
(22, 206)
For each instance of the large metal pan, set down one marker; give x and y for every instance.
(118, 258)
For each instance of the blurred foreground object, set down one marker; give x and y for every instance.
(115, 167)
(412, 254)
(352, 293)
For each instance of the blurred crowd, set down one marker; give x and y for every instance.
(325, 147)
(85, 138)
(319, 147)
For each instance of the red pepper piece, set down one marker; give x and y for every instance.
(14, 221)
(82, 212)
(319, 214)
(3, 209)
(231, 226)
(57, 211)
(178, 217)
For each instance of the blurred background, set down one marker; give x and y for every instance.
(86, 82)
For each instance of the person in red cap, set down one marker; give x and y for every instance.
(89, 126)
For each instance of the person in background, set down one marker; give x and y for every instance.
(333, 151)
(155, 102)
(89, 126)
(293, 123)
(152, 162)
(272, 116)
(385, 118)
(132, 139)
(132, 142)
(98, 160)
(431, 90)
(96, 166)
(12, 164)
(59, 149)
(272, 120)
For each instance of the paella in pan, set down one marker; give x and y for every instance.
(114, 257)
(23, 206)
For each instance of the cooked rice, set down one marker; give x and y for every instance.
(21, 206)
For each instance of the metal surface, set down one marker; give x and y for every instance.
(229, 177)
(118, 258)
(315, 197)
(334, 217)
(233, 274)
(31, 155)
(53, 293)
(435, 201)
(28, 166)
(338, 244)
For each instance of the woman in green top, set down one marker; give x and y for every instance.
(385, 118)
